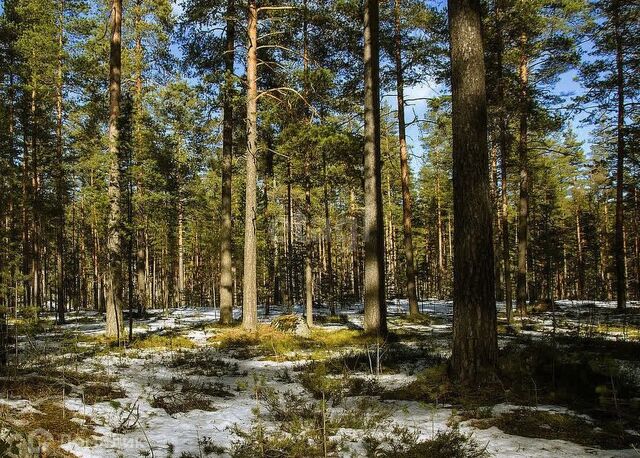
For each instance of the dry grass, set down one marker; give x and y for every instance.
(169, 341)
(101, 392)
(54, 425)
(182, 402)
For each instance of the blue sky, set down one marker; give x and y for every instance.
(567, 86)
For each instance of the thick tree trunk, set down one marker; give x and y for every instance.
(249, 282)
(475, 346)
(405, 172)
(375, 309)
(621, 274)
(226, 264)
(523, 202)
(114, 283)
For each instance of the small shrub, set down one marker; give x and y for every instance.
(404, 443)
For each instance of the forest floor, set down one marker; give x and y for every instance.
(568, 385)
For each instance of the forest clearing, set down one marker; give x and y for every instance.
(188, 388)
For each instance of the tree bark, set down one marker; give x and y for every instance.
(114, 284)
(249, 282)
(504, 155)
(475, 346)
(60, 283)
(289, 237)
(226, 264)
(523, 202)
(405, 172)
(375, 309)
(327, 234)
(181, 279)
(355, 258)
(621, 274)
(141, 259)
(308, 271)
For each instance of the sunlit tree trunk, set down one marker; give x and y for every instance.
(226, 264)
(249, 282)
(114, 293)
(405, 172)
(308, 271)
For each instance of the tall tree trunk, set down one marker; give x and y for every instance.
(355, 258)
(621, 274)
(114, 284)
(141, 259)
(327, 234)
(181, 281)
(441, 247)
(405, 172)
(504, 155)
(523, 202)
(271, 238)
(226, 264)
(580, 273)
(375, 309)
(36, 254)
(249, 284)
(60, 300)
(289, 237)
(475, 347)
(308, 271)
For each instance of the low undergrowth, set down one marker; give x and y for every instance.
(280, 345)
(532, 373)
(564, 426)
(204, 362)
(182, 402)
(169, 341)
(291, 425)
(403, 442)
